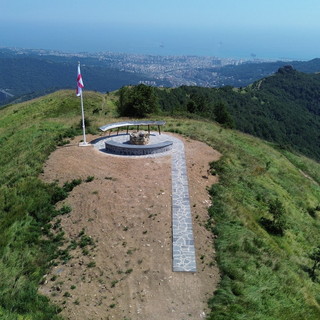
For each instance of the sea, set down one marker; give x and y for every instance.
(239, 44)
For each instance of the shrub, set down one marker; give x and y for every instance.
(89, 179)
(86, 241)
(313, 211)
(68, 186)
(65, 209)
(57, 194)
(277, 224)
(315, 257)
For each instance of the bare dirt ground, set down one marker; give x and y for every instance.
(120, 235)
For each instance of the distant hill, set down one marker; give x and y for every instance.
(27, 73)
(31, 76)
(246, 73)
(283, 108)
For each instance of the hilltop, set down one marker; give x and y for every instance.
(265, 267)
(127, 270)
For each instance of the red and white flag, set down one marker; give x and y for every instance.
(80, 84)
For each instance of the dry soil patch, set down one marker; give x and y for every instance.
(126, 210)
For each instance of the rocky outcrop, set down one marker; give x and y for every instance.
(139, 138)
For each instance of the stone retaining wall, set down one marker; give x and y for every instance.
(136, 150)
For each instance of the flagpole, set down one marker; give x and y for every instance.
(84, 143)
(83, 122)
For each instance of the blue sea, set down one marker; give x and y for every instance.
(164, 41)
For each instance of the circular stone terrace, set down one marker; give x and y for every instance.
(120, 145)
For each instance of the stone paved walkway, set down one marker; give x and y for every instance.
(183, 242)
(183, 249)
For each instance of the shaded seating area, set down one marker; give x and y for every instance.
(127, 124)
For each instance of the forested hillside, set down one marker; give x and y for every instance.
(283, 108)
(31, 77)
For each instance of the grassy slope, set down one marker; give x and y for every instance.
(263, 275)
(29, 132)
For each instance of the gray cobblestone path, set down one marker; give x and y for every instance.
(183, 250)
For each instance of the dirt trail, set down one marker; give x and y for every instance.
(126, 271)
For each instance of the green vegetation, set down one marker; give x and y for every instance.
(44, 75)
(283, 108)
(277, 224)
(138, 101)
(265, 274)
(85, 241)
(222, 116)
(244, 74)
(89, 179)
(29, 132)
(68, 186)
(315, 257)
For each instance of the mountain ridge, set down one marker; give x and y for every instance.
(282, 108)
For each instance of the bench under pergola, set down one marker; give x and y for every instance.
(127, 124)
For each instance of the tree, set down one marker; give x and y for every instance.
(191, 106)
(222, 115)
(137, 101)
(277, 224)
(199, 100)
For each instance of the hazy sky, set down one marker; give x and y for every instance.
(226, 28)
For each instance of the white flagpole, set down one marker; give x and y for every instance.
(84, 143)
(83, 122)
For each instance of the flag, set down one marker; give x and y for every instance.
(80, 84)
